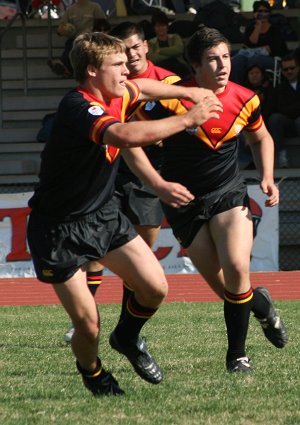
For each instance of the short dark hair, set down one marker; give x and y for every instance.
(127, 29)
(159, 18)
(204, 38)
(261, 3)
(289, 57)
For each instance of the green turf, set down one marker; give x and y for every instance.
(39, 383)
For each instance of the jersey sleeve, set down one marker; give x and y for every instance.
(253, 109)
(154, 110)
(86, 116)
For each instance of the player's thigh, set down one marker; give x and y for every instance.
(77, 299)
(232, 233)
(203, 254)
(136, 264)
(148, 233)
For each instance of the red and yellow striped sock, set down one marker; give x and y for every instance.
(237, 309)
(94, 280)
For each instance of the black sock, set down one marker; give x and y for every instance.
(96, 373)
(94, 280)
(260, 305)
(127, 292)
(134, 318)
(236, 312)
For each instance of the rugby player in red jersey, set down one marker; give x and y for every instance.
(216, 228)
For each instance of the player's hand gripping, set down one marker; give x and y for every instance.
(204, 110)
(174, 194)
(272, 191)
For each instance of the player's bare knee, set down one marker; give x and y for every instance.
(238, 272)
(89, 329)
(157, 293)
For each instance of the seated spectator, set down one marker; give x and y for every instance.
(78, 18)
(258, 81)
(284, 108)
(166, 50)
(263, 41)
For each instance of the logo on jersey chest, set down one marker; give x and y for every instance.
(216, 130)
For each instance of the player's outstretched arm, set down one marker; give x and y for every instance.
(171, 193)
(155, 90)
(142, 133)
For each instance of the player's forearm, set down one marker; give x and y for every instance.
(143, 133)
(263, 154)
(140, 165)
(155, 90)
(171, 193)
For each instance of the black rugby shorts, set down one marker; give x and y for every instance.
(59, 249)
(139, 203)
(187, 221)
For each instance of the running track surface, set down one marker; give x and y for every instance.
(182, 288)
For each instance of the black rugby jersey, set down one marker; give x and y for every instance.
(77, 171)
(206, 158)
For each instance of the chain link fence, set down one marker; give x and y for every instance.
(289, 218)
(289, 223)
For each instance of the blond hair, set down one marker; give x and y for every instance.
(90, 49)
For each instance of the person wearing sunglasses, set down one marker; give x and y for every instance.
(284, 108)
(262, 43)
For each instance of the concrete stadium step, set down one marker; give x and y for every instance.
(56, 86)
(37, 70)
(18, 167)
(20, 147)
(21, 179)
(14, 116)
(21, 103)
(32, 41)
(38, 53)
(12, 136)
(55, 82)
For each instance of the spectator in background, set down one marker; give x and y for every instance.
(166, 50)
(78, 18)
(284, 108)
(263, 41)
(258, 81)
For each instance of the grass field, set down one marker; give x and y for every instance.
(39, 383)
